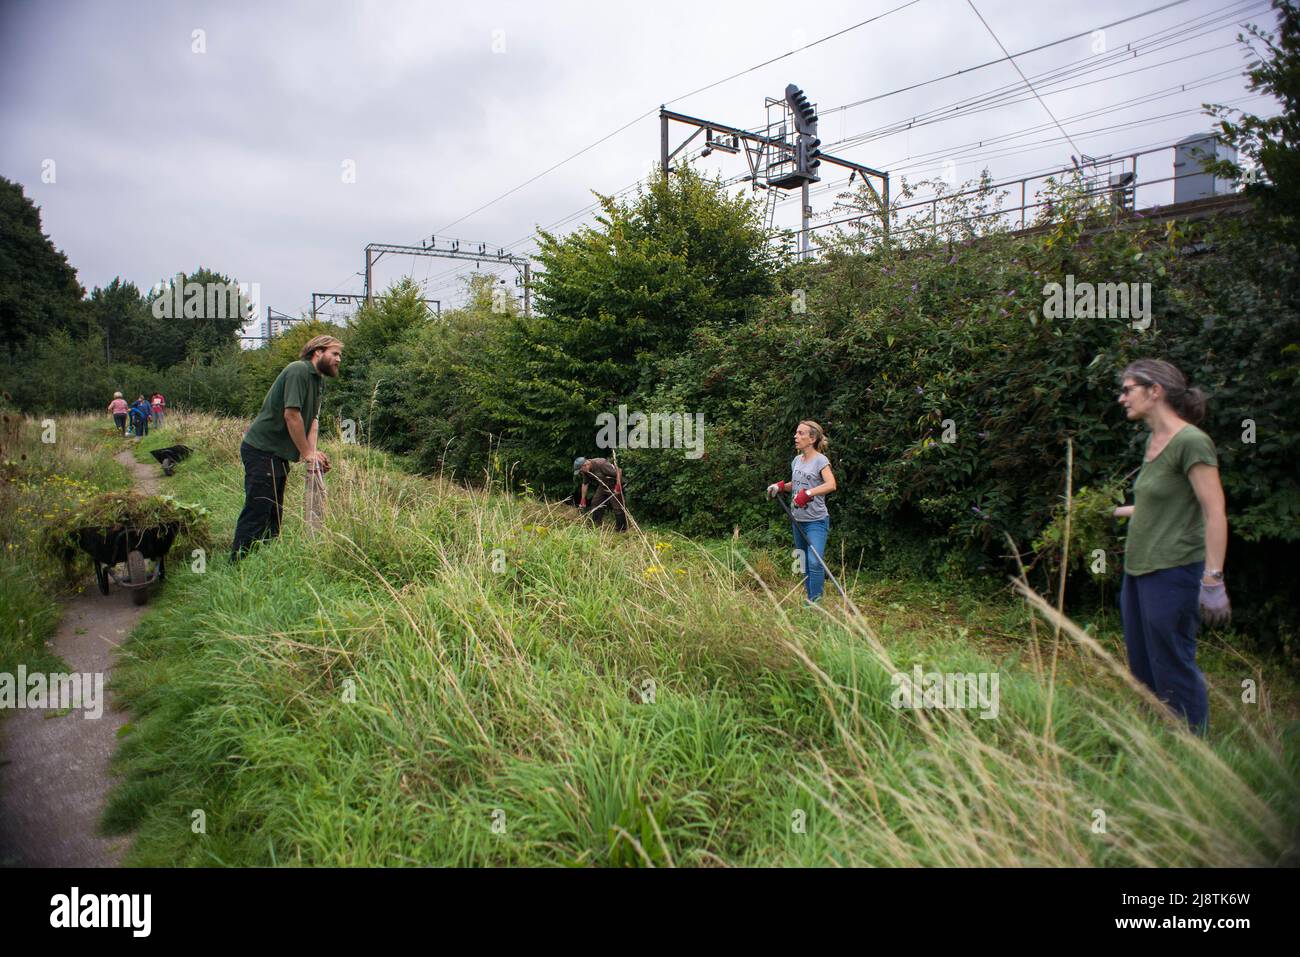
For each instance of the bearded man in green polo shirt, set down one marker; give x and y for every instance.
(284, 431)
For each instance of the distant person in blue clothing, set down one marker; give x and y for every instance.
(811, 480)
(140, 411)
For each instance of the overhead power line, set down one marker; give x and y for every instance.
(981, 66)
(1012, 93)
(651, 111)
(1123, 20)
(1008, 57)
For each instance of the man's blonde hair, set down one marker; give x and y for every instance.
(317, 343)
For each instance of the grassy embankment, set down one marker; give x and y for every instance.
(456, 677)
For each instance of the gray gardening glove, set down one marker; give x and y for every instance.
(1215, 609)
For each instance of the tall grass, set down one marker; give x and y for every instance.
(455, 676)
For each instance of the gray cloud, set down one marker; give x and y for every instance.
(232, 159)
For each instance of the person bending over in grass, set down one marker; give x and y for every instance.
(140, 417)
(1177, 538)
(283, 432)
(811, 481)
(608, 479)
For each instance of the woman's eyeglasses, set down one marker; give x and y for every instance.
(1124, 389)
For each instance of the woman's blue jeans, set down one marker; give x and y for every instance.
(1161, 613)
(814, 534)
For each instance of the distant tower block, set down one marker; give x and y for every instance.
(1190, 155)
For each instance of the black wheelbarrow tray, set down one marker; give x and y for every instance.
(113, 545)
(169, 456)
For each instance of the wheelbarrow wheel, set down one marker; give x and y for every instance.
(101, 578)
(136, 570)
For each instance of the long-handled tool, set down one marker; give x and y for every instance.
(813, 549)
(313, 500)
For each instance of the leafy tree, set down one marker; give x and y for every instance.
(60, 373)
(1272, 143)
(372, 349)
(206, 322)
(39, 291)
(121, 313)
(429, 392)
(613, 297)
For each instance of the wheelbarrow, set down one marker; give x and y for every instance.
(111, 546)
(169, 456)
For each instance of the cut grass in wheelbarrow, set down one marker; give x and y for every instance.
(169, 456)
(125, 527)
(109, 547)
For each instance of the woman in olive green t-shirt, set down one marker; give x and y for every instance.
(1177, 537)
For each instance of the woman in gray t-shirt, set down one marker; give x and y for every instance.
(811, 479)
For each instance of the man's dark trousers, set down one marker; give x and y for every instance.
(265, 476)
(605, 501)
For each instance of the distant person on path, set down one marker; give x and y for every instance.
(284, 431)
(118, 409)
(1177, 539)
(608, 481)
(140, 417)
(159, 405)
(811, 480)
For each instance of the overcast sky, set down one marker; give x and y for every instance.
(229, 148)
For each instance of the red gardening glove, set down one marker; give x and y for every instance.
(618, 488)
(802, 498)
(776, 487)
(582, 504)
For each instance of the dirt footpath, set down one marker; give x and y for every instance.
(54, 773)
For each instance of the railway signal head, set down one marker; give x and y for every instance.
(805, 117)
(807, 146)
(809, 155)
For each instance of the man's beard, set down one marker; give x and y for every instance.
(325, 367)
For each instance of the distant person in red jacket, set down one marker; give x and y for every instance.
(118, 409)
(159, 405)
